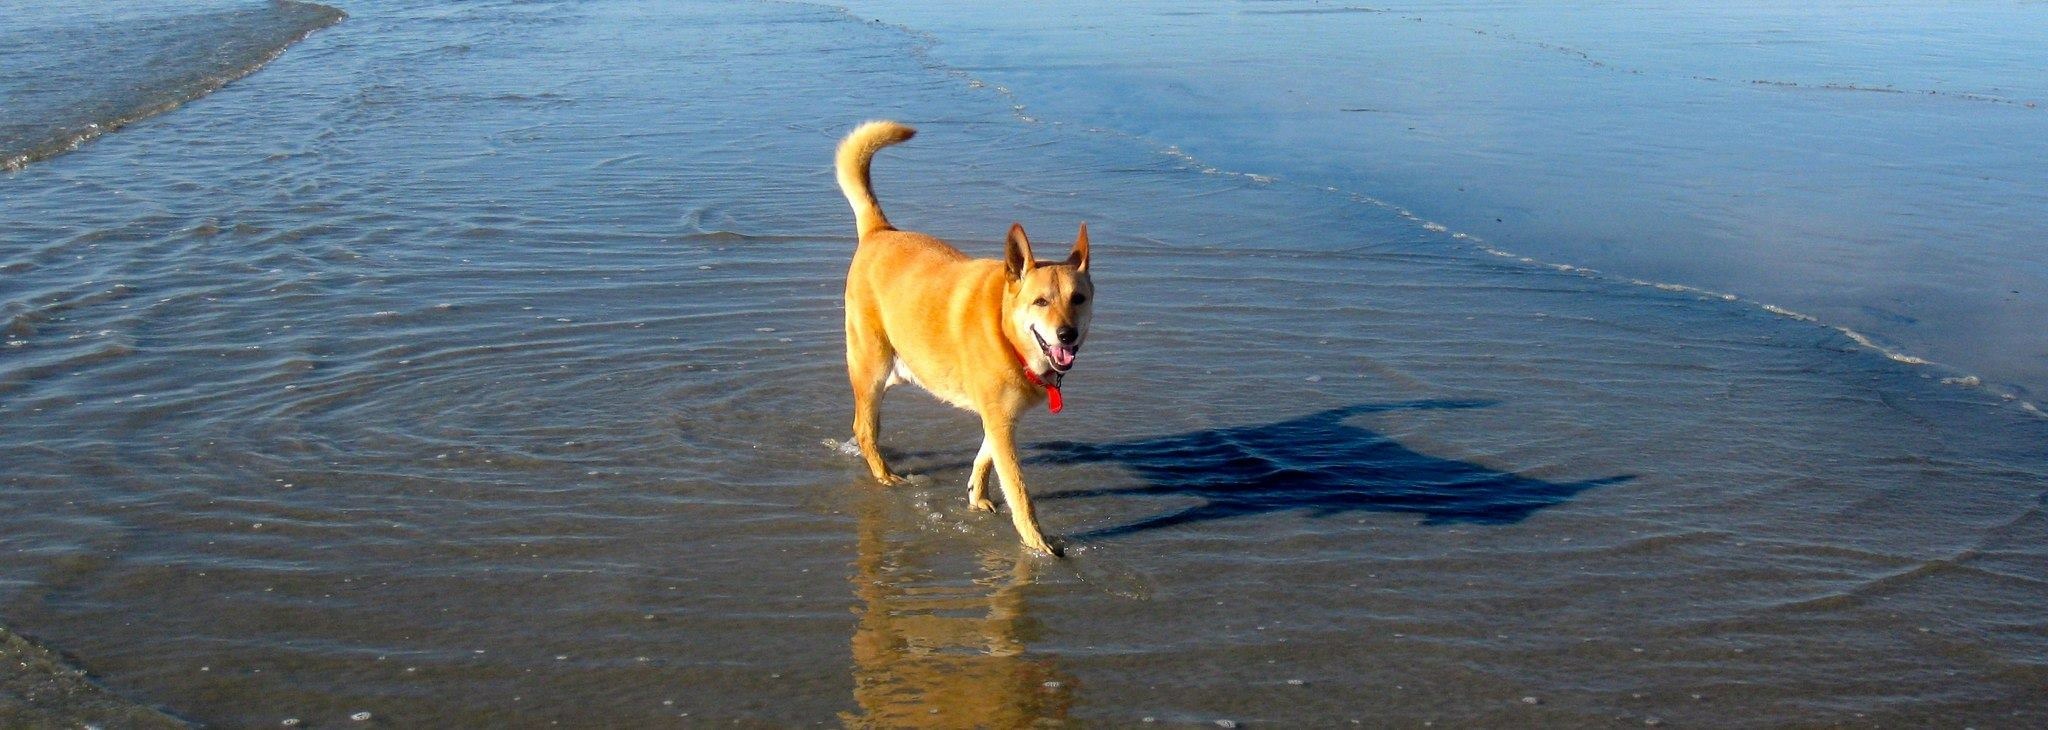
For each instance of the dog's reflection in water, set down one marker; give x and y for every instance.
(942, 642)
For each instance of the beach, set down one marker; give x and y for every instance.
(481, 364)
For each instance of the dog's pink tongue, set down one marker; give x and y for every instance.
(1061, 356)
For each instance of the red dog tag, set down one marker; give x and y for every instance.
(1052, 392)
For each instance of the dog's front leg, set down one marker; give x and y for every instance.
(998, 429)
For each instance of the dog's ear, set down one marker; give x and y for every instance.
(1017, 259)
(1079, 258)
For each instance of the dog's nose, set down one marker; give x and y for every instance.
(1067, 335)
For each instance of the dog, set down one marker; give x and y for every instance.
(990, 336)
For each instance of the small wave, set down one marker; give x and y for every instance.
(182, 58)
(1865, 88)
(1949, 568)
(1315, 11)
(1956, 378)
(1896, 355)
(21, 375)
(725, 236)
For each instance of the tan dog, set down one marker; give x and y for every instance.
(993, 337)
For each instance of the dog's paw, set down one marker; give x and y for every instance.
(1042, 546)
(981, 505)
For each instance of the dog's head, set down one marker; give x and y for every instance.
(1048, 303)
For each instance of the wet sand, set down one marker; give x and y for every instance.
(39, 690)
(454, 371)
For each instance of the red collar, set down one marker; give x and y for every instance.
(1052, 391)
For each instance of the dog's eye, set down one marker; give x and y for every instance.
(1041, 303)
(1080, 299)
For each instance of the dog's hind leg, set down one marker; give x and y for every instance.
(977, 480)
(867, 425)
(868, 367)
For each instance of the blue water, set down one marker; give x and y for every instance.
(480, 364)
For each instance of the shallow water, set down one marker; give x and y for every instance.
(455, 370)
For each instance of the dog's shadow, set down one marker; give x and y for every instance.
(1317, 463)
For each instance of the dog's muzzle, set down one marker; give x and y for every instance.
(1060, 355)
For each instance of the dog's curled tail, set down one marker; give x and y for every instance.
(855, 153)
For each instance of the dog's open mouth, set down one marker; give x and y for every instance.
(1061, 356)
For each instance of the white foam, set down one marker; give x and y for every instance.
(1783, 312)
(1886, 351)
